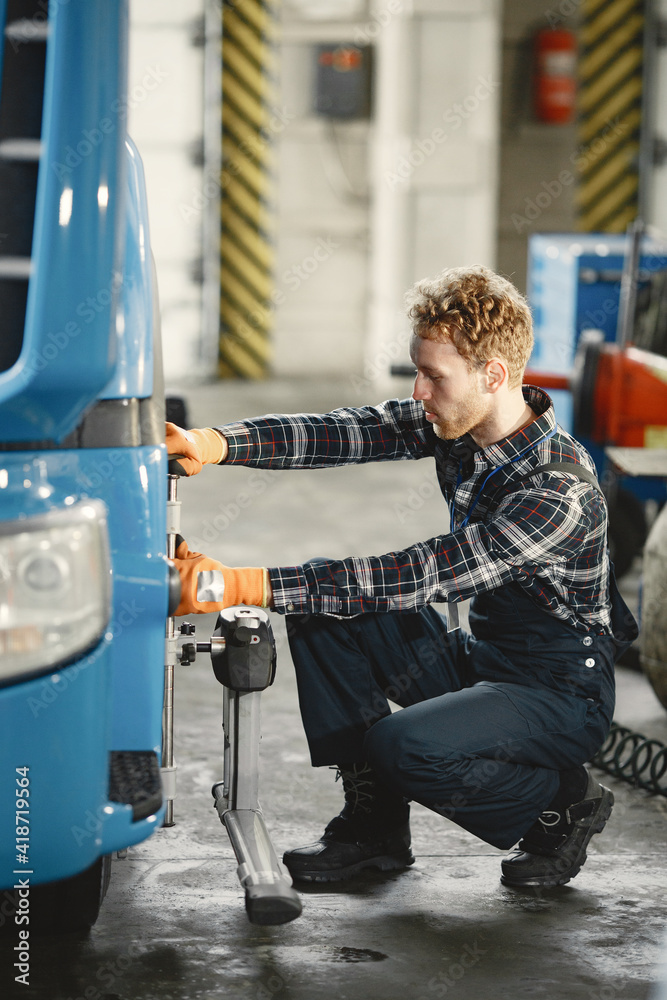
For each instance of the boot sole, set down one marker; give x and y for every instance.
(563, 877)
(384, 862)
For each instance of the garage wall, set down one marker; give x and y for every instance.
(532, 155)
(323, 201)
(166, 122)
(435, 147)
(388, 200)
(364, 207)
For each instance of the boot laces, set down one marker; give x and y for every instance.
(359, 786)
(549, 819)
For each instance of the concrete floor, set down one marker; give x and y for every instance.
(173, 925)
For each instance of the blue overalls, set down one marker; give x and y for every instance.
(488, 720)
(489, 717)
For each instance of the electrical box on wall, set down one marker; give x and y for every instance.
(343, 81)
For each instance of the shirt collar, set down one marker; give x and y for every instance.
(509, 448)
(465, 450)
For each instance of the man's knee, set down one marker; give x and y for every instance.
(383, 745)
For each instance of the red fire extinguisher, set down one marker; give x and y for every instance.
(555, 83)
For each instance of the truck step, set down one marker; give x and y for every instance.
(134, 779)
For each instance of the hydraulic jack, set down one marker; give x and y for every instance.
(243, 656)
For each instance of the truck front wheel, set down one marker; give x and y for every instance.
(71, 904)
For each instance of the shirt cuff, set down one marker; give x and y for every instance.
(298, 590)
(242, 442)
(293, 595)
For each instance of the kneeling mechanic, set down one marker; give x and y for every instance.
(496, 724)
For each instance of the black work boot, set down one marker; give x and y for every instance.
(554, 849)
(372, 831)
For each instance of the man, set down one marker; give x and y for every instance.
(495, 725)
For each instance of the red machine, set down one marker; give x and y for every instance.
(619, 394)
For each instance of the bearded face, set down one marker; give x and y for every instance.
(450, 392)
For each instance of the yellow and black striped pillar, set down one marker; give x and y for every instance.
(246, 255)
(610, 101)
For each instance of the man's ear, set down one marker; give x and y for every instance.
(496, 374)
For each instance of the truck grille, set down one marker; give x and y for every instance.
(21, 100)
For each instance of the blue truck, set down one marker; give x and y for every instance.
(84, 578)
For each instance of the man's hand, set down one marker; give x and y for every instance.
(199, 446)
(207, 585)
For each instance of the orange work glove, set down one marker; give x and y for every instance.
(200, 446)
(207, 585)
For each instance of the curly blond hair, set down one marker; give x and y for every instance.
(481, 313)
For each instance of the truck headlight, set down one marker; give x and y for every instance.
(55, 588)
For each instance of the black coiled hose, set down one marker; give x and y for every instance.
(634, 758)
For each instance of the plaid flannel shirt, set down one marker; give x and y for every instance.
(548, 535)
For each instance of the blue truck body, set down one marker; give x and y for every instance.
(82, 463)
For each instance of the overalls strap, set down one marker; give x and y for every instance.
(571, 468)
(624, 626)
